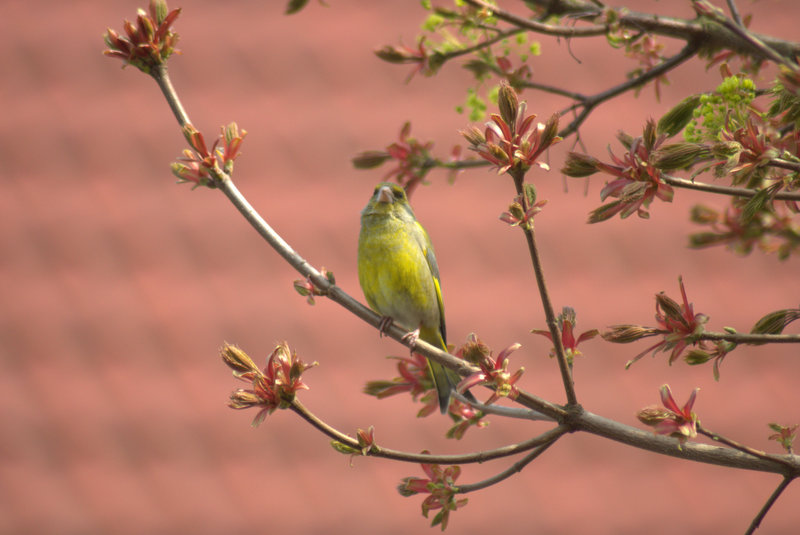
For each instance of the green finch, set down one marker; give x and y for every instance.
(400, 278)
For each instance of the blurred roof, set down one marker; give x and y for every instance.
(118, 287)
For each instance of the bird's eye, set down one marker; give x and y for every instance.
(399, 193)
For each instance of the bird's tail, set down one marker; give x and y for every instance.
(445, 380)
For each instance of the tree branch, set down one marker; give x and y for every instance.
(548, 437)
(748, 338)
(538, 27)
(770, 501)
(725, 190)
(692, 451)
(589, 103)
(544, 295)
(713, 36)
(744, 449)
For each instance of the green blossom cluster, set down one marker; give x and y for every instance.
(726, 108)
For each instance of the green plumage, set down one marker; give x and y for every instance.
(399, 275)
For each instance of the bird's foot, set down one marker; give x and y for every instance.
(411, 338)
(386, 322)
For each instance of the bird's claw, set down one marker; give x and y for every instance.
(411, 338)
(386, 322)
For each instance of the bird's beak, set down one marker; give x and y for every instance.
(385, 195)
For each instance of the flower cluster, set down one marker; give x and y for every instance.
(523, 209)
(566, 324)
(464, 417)
(726, 108)
(274, 387)
(413, 159)
(427, 63)
(648, 52)
(440, 485)
(637, 182)
(414, 378)
(201, 166)
(148, 42)
(672, 420)
(510, 141)
(493, 372)
(677, 324)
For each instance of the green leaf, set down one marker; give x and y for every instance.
(755, 205)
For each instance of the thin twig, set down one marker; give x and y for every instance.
(759, 47)
(589, 103)
(387, 453)
(538, 27)
(746, 449)
(161, 76)
(784, 164)
(506, 412)
(735, 13)
(784, 484)
(726, 190)
(749, 338)
(483, 44)
(508, 472)
(544, 296)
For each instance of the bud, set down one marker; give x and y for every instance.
(549, 136)
(237, 360)
(145, 25)
(508, 103)
(474, 351)
(625, 139)
(341, 447)
(516, 211)
(393, 54)
(366, 439)
(680, 155)
(159, 10)
(295, 6)
(703, 215)
(649, 135)
(243, 399)
(672, 310)
(755, 205)
(704, 8)
(706, 239)
(697, 356)
(580, 165)
(784, 435)
(411, 485)
(195, 139)
(652, 416)
(230, 132)
(370, 159)
(529, 190)
(474, 136)
(775, 322)
(678, 117)
(625, 334)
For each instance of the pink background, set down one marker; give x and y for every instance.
(118, 286)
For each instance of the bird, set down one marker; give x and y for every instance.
(399, 276)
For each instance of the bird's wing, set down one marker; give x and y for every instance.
(430, 257)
